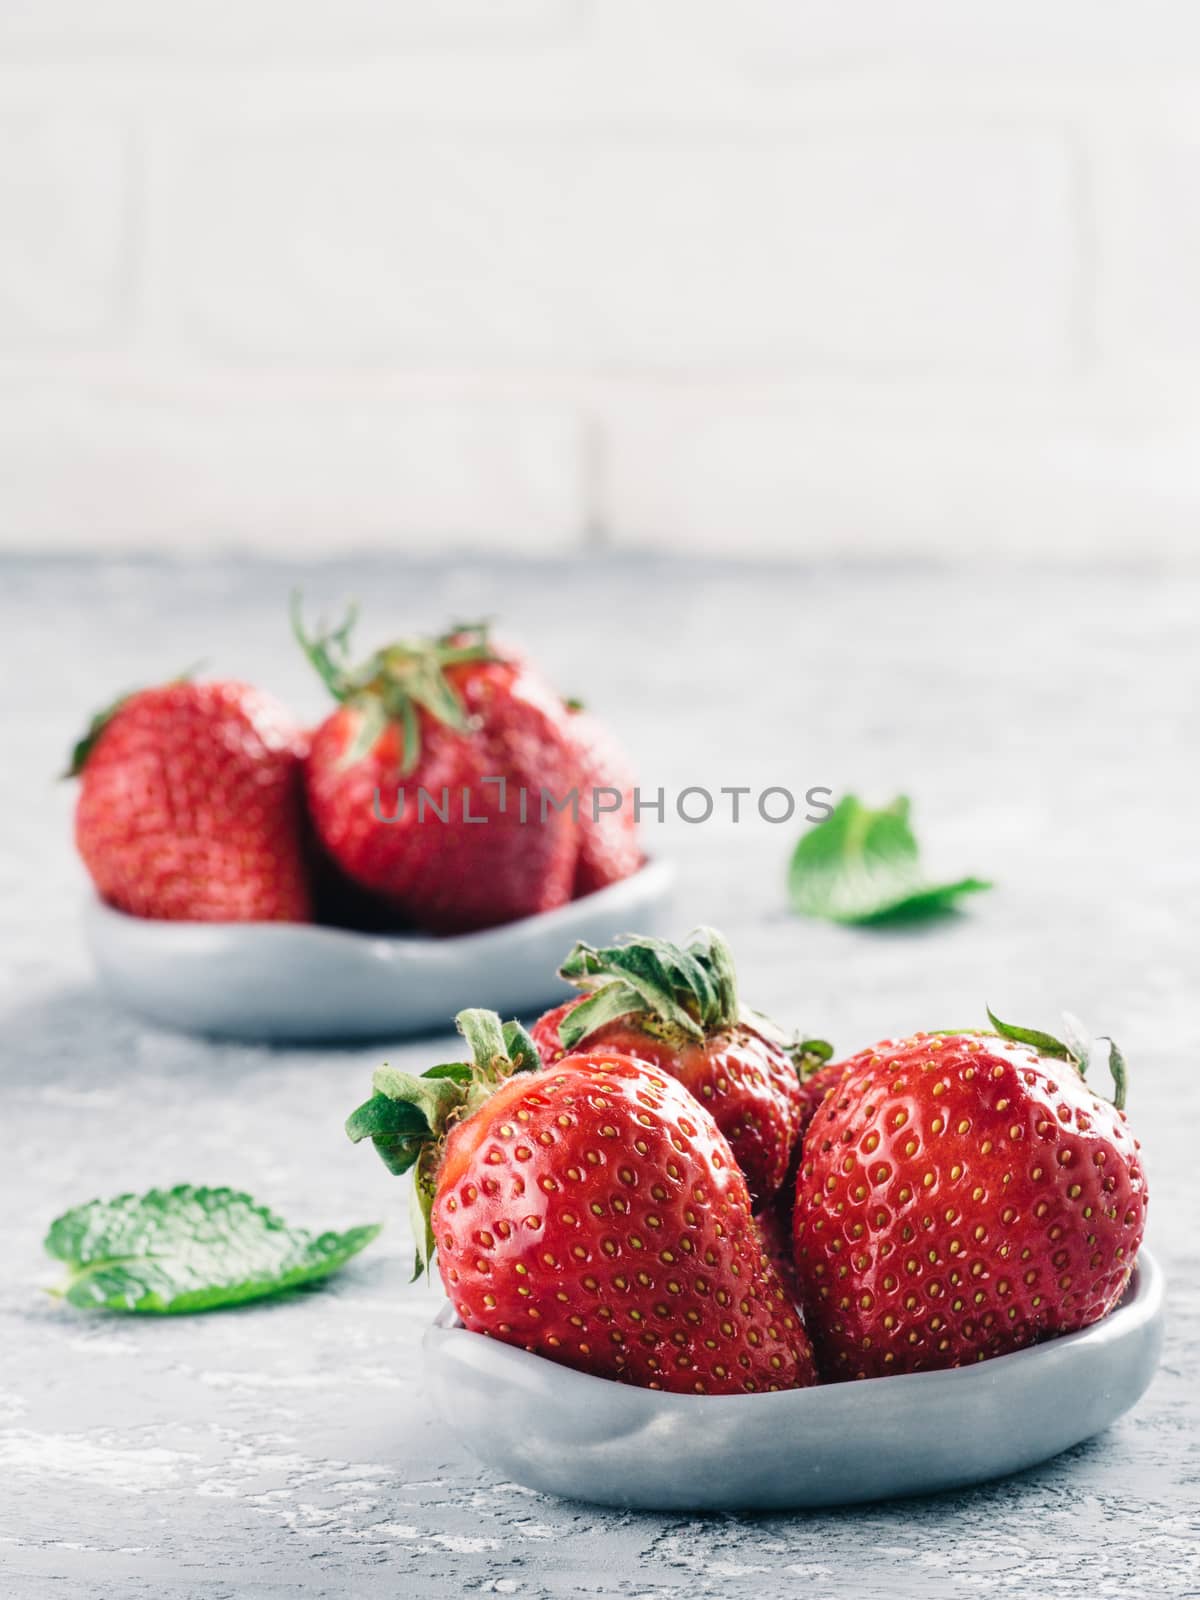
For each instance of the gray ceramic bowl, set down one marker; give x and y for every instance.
(291, 981)
(588, 1439)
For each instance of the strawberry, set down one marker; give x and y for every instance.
(426, 785)
(590, 1212)
(963, 1195)
(774, 1225)
(678, 1009)
(817, 1077)
(608, 839)
(189, 805)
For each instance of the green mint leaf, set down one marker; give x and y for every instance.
(189, 1249)
(863, 866)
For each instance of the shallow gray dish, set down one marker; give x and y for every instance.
(588, 1439)
(293, 981)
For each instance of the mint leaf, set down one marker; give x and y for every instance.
(864, 866)
(189, 1249)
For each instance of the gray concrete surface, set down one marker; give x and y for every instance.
(1046, 728)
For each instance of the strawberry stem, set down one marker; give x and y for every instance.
(809, 1056)
(1116, 1066)
(1078, 1049)
(407, 1118)
(395, 681)
(682, 992)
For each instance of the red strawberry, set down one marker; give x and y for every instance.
(678, 1010)
(775, 1232)
(817, 1077)
(590, 1212)
(189, 805)
(962, 1196)
(426, 784)
(815, 1084)
(608, 837)
(339, 902)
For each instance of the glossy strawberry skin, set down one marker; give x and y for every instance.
(961, 1197)
(189, 807)
(591, 1212)
(774, 1224)
(747, 1083)
(608, 839)
(813, 1090)
(454, 876)
(775, 1218)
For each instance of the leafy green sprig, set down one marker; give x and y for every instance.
(189, 1249)
(863, 866)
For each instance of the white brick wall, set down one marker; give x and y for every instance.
(65, 29)
(786, 277)
(64, 197)
(950, 249)
(1151, 250)
(284, 465)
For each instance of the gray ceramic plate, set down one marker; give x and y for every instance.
(290, 981)
(588, 1439)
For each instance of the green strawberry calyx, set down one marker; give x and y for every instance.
(395, 682)
(672, 991)
(1080, 1048)
(809, 1056)
(679, 993)
(407, 1117)
(86, 743)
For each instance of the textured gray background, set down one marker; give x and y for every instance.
(1045, 726)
